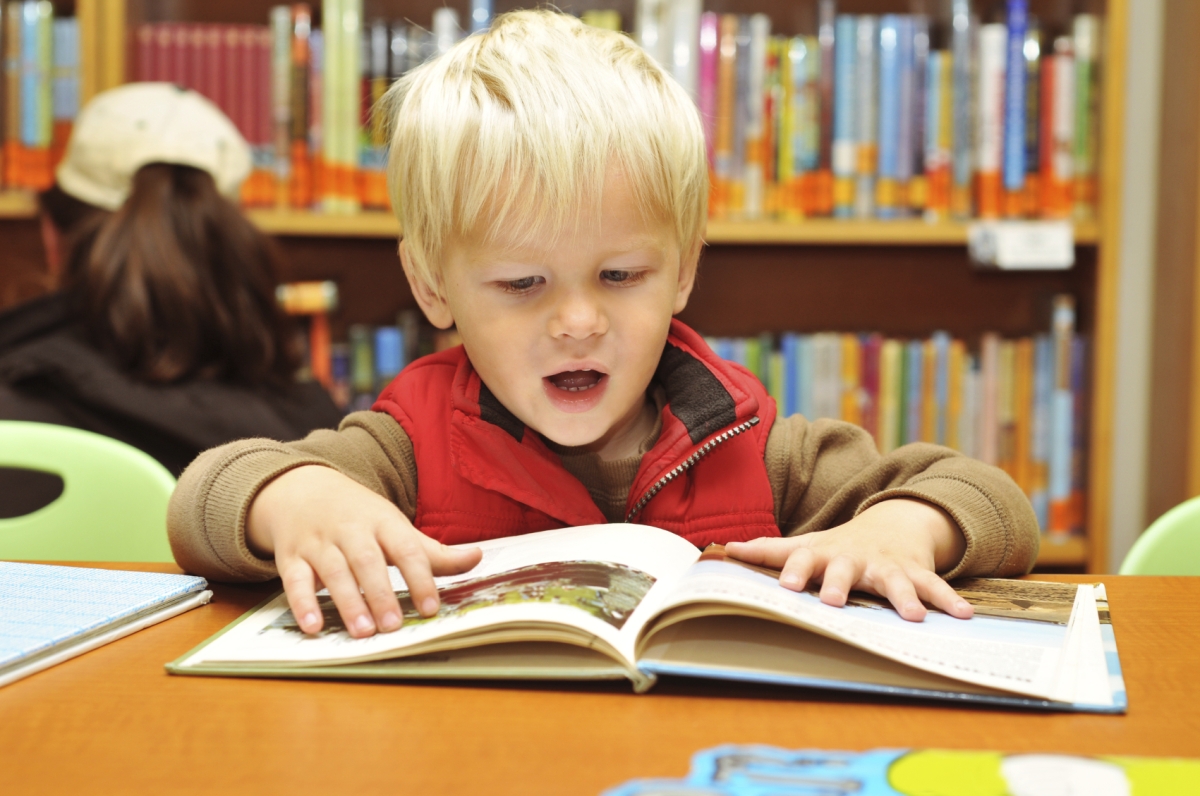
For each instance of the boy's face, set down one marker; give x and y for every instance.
(567, 334)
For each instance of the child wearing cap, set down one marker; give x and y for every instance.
(165, 332)
(551, 182)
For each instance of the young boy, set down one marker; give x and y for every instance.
(551, 183)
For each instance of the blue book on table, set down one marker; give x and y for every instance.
(51, 613)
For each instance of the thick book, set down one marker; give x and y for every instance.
(628, 601)
(49, 614)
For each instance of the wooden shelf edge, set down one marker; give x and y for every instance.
(378, 224)
(824, 231)
(1069, 551)
(17, 204)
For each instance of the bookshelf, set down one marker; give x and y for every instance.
(902, 278)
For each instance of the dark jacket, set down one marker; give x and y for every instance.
(482, 475)
(50, 374)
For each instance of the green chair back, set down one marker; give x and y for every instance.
(113, 506)
(1170, 546)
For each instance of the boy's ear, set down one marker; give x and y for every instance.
(431, 302)
(689, 262)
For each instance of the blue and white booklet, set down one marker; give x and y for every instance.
(51, 613)
(613, 601)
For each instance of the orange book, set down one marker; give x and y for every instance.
(954, 399)
(726, 107)
(1023, 414)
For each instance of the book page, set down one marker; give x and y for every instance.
(577, 585)
(994, 652)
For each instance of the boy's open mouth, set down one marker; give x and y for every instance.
(577, 380)
(575, 391)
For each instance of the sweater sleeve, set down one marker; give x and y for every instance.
(206, 519)
(824, 473)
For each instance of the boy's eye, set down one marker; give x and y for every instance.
(623, 277)
(523, 285)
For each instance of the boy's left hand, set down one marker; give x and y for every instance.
(893, 549)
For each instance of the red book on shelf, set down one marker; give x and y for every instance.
(181, 66)
(144, 47)
(213, 72)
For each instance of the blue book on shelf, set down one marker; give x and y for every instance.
(51, 613)
(804, 375)
(788, 346)
(1014, 96)
(845, 144)
(889, 113)
(941, 384)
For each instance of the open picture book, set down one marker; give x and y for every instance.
(630, 601)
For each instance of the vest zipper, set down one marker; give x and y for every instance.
(682, 467)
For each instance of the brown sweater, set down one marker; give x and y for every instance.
(822, 474)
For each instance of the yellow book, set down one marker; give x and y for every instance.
(851, 379)
(890, 362)
(929, 393)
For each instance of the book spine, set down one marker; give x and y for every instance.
(1006, 408)
(866, 75)
(316, 115)
(282, 34)
(481, 15)
(914, 381)
(790, 54)
(929, 406)
(869, 347)
(906, 126)
(350, 72)
(937, 136)
(1023, 414)
(332, 104)
(962, 108)
(724, 122)
(956, 361)
(890, 365)
(709, 38)
(1031, 202)
(1079, 360)
(917, 198)
(1086, 39)
(1062, 419)
(993, 47)
(987, 434)
(1015, 108)
(788, 347)
(374, 157)
(299, 187)
(753, 107)
(181, 65)
(66, 86)
(1043, 382)
(890, 99)
(844, 162)
(941, 387)
(777, 383)
(851, 373)
(685, 35)
(805, 376)
(741, 117)
(823, 70)
(12, 95)
(1059, 201)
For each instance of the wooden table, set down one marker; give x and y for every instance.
(112, 721)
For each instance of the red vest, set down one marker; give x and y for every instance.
(481, 474)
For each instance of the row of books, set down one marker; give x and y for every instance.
(1015, 403)
(867, 119)
(39, 93)
(300, 95)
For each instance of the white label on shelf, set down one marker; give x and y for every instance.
(1022, 245)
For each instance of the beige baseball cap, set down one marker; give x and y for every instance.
(128, 127)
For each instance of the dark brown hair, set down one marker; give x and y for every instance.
(176, 283)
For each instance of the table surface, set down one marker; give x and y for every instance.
(113, 721)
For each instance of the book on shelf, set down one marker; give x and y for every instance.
(52, 613)
(39, 93)
(629, 601)
(1019, 404)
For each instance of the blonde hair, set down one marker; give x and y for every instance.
(512, 132)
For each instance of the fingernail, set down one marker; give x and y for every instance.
(391, 621)
(789, 580)
(912, 608)
(429, 606)
(364, 624)
(962, 605)
(309, 620)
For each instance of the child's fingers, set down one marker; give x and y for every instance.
(764, 552)
(841, 574)
(335, 573)
(939, 593)
(798, 569)
(370, 571)
(405, 550)
(299, 583)
(445, 560)
(897, 587)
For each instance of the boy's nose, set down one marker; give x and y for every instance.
(578, 316)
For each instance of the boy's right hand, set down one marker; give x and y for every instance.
(325, 528)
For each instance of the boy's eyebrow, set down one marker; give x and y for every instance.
(499, 253)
